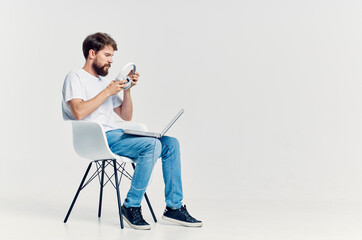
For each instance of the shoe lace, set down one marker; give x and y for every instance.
(137, 214)
(186, 213)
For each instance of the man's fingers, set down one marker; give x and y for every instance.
(121, 82)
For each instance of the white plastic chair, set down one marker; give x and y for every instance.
(90, 142)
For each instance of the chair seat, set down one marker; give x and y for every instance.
(124, 159)
(90, 141)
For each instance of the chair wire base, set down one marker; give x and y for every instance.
(100, 172)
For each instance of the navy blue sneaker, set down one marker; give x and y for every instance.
(133, 216)
(180, 216)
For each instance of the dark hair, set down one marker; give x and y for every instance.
(97, 42)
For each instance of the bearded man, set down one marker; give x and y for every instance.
(88, 95)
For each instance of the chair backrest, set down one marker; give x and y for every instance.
(89, 140)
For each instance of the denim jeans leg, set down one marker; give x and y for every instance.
(171, 168)
(142, 174)
(146, 150)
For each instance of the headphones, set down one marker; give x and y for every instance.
(123, 75)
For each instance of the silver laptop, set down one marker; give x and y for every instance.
(155, 135)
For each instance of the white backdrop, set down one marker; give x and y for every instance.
(271, 91)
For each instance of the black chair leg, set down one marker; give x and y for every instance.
(76, 195)
(101, 190)
(148, 201)
(118, 194)
(150, 207)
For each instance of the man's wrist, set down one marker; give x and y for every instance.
(128, 91)
(106, 92)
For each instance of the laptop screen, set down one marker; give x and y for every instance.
(173, 121)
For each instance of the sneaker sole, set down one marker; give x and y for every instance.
(142, 227)
(186, 224)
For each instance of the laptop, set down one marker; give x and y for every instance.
(155, 135)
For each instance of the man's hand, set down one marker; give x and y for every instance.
(125, 110)
(115, 87)
(134, 78)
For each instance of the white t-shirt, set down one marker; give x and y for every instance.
(81, 84)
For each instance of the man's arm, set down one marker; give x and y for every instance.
(80, 109)
(125, 110)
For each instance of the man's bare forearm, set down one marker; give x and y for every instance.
(80, 109)
(126, 112)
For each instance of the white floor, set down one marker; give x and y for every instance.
(249, 219)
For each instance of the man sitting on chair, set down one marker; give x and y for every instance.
(88, 95)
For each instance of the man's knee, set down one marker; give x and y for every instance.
(153, 144)
(158, 147)
(172, 142)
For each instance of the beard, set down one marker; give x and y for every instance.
(101, 70)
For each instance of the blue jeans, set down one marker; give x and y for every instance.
(146, 151)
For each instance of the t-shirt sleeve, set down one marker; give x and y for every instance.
(72, 87)
(117, 100)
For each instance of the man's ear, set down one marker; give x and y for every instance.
(92, 54)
